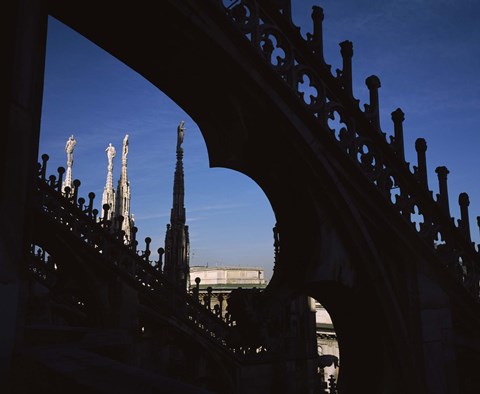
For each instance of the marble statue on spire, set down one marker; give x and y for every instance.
(125, 147)
(122, 200)
(180, 134)
(69, 147)
(108, 191)
(111, 152)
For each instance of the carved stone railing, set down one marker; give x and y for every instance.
(330, 100)
(102, 237)
(42, 266)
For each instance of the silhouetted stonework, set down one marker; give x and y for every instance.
(177, 242)
(356, 225)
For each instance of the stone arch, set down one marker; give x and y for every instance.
(252, 125)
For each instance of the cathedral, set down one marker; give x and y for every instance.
(87, 311)
(118, 201)
(210, 286)
(116, 208)
(181, 305)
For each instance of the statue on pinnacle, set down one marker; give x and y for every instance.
(69, 146)
(180, 133)
(110, 155)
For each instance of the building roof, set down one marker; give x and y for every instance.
(196, 268)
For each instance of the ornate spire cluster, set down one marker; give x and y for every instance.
(177, 245)
(116, 204)
(115, 212)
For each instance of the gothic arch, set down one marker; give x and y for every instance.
(252, 124)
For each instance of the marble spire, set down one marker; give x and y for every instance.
(177, 246)
(108, 191)
(69, 147)
(122, 200)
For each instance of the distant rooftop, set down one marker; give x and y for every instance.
(230, 277)
(229, 268)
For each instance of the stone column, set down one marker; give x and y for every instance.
(23, 42)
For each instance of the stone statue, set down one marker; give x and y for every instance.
(125, 146)
(180, 133)
(70, 145)
(111, 152)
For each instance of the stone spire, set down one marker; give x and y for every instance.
(122, 200)
(69, 147)
(177, 246)
(108, 191)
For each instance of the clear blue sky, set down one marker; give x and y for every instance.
(426, 53)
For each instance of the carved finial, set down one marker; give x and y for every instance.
(196, 289)
(133, 241)
(316, 38)
(61, 171)
(421, 169)
(76, 185)
(43, 170)
(464, 222)
(373, 82)
(209, 298)
(161, 252)
(105, 208)
(442, 197)
(118, 224)
(146, 254)
(373, 109)
(421, 145)
(346, 50)
(91, 197)
(464, 200)
(398, 117)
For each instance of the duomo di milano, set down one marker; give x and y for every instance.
(118, 201)
(116, 207)
(211, 285)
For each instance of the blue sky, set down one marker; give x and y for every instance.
(425, 52)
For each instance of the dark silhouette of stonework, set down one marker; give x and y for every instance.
(177, 243)
(357, 228)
